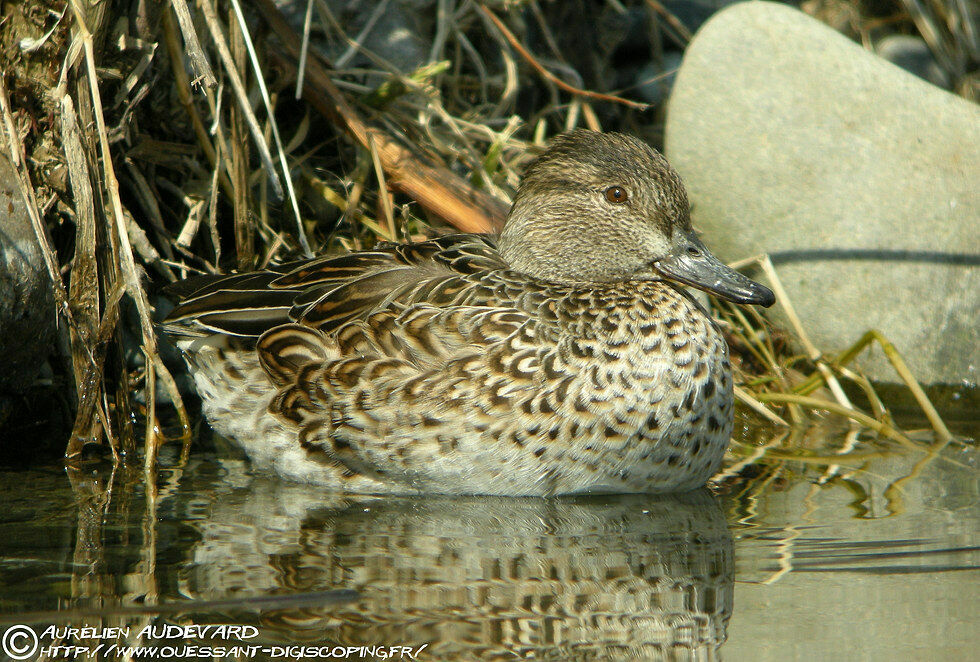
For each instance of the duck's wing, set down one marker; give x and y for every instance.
(409, 381)
(421, 337)
(326, 293)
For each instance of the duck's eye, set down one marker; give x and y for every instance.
(616, 195)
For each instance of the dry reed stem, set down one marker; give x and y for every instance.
(304, 49)
(436, 189)
(550, 77)
(14, 143)
(240, 93)
(241, 167)
(843, 410)
(260, 81)
(878, 409)
(895, 358)
(92, 408)
(671, 19)
(183, 87)
(84, 286)
(198, 59)
(130, 270)
(794, 320)
(383, 195)
(746, 398)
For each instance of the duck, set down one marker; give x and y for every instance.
(564, 356)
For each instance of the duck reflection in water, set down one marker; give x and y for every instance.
(476, 578)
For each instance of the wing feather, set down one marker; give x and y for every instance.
(329, 292)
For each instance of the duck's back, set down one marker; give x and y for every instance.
(327, 292)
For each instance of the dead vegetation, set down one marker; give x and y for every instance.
(157, 140)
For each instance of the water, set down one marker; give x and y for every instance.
(876, 559)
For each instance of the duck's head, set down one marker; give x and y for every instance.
(606, 207)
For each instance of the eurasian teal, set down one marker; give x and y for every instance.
(560, 358)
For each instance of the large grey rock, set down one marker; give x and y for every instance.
(26, 303)
(860, 180)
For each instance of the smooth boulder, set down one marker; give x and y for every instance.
(860, 180)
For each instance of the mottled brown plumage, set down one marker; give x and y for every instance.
(564, 361)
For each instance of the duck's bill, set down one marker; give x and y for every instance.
(692, 264)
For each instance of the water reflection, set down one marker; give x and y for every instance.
(870, 558)
(479, 578)
(834, 544)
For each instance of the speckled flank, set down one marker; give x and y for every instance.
(236, 394)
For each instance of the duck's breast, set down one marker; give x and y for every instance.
(655, 381)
